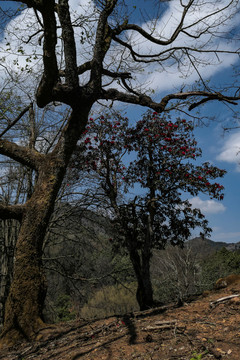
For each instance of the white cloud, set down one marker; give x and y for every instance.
(207, 206)
(230, 151)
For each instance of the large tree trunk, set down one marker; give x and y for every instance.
(23, 311)
(141, 267)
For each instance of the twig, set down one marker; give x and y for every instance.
(16, 120)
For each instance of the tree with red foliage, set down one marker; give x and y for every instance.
(144, 170)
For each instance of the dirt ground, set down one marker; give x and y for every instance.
(198, 330)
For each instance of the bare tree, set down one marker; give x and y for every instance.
(108, 69)
(178, 270)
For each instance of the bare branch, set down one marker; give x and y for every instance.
(204, 18)
(180, 28)
(144, 100)
(38, 18)
(129, 88)
(151, 38)
(71, 74)
(117, 75)
(167, 53)
(216, 96)
(16, 120)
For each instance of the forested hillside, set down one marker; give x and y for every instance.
(91, 281)
(88, 279)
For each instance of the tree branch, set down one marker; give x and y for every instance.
(50, 74)
(216, 96)
(36, 4)
(80, 69)
(144, 100)
(11, 212)
(117, 75)
(151, 38)
(88, 66)
(16, 120)
(71, 73)
(167, 53)
(102, 44)
(21, 154)
(223, 299)
(180, 28)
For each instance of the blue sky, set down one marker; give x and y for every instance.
(218, 147)
(215, 143)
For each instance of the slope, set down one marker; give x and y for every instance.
(202, 329)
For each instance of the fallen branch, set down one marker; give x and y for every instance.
(166, 322)
(160, 325)
(222, 300)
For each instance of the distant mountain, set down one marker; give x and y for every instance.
(233, 246)
(205, 247)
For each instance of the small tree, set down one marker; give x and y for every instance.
(144, 170)
(177, 271)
